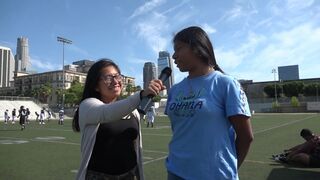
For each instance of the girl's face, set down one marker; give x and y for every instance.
(184, 57)
(110, 84)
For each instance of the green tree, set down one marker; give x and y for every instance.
(275, 105)
(311, 89)
(44, 92)
(35, 92)
(156, 98)
(294, 101)
(293, 88)
(74, 94)
(269, 90)
(129, 89)
(70, 98)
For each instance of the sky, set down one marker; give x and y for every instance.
(250, 38)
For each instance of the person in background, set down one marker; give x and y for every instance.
(209, 114)
(111, 144)
(6, 116)
(27, 115)
(37, 115)
(42, 116)
(14, 115)
(22, 115)
(61, 116)
(49, 115)
(150, 116)
(305, 154)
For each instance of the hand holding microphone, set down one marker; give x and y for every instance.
(155, 86)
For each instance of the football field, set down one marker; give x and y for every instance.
(52, 151)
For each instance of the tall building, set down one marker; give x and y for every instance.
(22, 55)
(288, 72)
(149, 73)
(6, 66)
(165, 60)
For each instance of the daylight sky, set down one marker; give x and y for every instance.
(250, 37)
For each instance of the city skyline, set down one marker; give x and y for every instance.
(250, 38)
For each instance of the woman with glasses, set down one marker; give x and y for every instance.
(111, 145)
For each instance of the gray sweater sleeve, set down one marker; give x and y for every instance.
(93, 111)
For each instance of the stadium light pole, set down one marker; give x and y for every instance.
(274, 71)
(317, 93)
(64, 41)
(281, 84)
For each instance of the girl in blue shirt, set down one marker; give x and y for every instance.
(209, 114)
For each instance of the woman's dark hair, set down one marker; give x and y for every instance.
(200, 43)
(92, 81)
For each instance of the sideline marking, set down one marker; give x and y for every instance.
(146, 157)
(285, 124)
(157, 127)
(166, 135)
(155, 151)
(259, 162)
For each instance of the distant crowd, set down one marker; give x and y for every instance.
(24, 114)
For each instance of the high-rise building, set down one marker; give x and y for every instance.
(149, 73)
(6, 66)
(288, 72)
(165, 60)
(22, 55)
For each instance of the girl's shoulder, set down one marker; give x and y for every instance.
(225, 79)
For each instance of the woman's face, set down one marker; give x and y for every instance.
(184, 57)
(110, 84)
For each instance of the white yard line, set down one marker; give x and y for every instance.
(157, 159)
(285, 124)
(259, 162)
(148, 134)
(160, 152)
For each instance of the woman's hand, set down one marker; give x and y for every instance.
(154, 88)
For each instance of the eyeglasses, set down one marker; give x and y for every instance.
(107, 78)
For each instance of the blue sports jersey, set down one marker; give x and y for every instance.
(203, 141)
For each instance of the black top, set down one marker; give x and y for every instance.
(22, 113)
(114, 150)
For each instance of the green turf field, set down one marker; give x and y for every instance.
(52, 151)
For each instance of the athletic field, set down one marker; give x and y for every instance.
(52, 152)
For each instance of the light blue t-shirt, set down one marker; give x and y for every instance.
(203, 141)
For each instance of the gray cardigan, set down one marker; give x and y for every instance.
(92, 112)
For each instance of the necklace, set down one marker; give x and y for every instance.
(199, 87)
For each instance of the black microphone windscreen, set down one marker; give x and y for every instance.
(165, 73)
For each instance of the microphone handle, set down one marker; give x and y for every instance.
(145, 104)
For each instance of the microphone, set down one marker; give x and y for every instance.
(146, 101)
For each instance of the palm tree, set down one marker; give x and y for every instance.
(44, 92)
